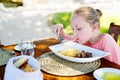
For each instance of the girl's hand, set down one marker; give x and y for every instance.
(58, 30)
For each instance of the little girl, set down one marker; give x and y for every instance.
(85, 25)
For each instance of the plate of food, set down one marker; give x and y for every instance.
(76, 52)
(107, 74)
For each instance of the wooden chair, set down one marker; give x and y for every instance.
(114, 30)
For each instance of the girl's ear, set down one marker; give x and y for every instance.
(95, 26)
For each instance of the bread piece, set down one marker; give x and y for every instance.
(20, 61)
(28, 68)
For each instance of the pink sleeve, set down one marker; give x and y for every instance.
(111, 47)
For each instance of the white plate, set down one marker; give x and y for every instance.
(99, 72)
(17, 47)
(96, 54)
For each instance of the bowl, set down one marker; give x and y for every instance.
(107, 74)
(96, 54)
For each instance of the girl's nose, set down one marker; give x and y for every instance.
(75, 34)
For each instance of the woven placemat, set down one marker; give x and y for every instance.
(53, 64)
(5, 55)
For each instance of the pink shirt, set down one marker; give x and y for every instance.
(108, 44)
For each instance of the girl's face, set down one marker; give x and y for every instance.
(82, 30)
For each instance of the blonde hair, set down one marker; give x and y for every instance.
(91, 15)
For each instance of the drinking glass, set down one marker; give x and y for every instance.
(27, 47)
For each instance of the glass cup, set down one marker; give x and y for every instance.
(27, 47)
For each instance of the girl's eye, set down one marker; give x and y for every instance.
(76, 29)
(79, 29)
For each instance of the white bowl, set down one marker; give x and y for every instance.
(96, 54)
(99, 72)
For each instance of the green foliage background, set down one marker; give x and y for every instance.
(63, 18)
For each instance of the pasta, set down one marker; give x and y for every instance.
(70, 52)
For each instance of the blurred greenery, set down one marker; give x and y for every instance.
(10, 3)
(105, 20)
(63, 18)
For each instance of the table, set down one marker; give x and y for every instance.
(42, 47)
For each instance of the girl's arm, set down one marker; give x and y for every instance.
(58, 30)
(109, 45)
